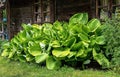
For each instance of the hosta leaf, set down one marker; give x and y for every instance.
(79, 18)
(55, 43)
(71, 54)
(11, 54)
(51, 63)
(101, 59)
(92, 40)
(5, 53)
(69, 42)
(36, 26)
(85, 29)
(15, 40)
(47, 28)
(61, 52)
(93, 25)
(22, 36)
(75, 29)
(85, 44)
(26, 27)
(29, 57)
(41, 58)
(34, 49)
(86, 62)
(81, 53)
(100, 40)
(22, 58)
(57, 26)
(77, 46)
(83, 37)
(6, 45)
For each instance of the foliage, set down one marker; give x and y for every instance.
(111, 32)
(2, 43)
(79, 40)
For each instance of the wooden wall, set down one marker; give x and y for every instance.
(66, 8)
(20, 12)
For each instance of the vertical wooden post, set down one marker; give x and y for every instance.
(52, 10)
(8, 19)
(109, 8)
(42, 15)
(1, 14)
(96, 7)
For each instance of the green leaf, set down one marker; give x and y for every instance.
(22, 58)
(55, 43)
(83, 37)
(92, 40)
(85, 29)
(11, 54)
(15, 40)
(29, 57)
(85, 44)
(36, 26)
(79, 18)
(94, 24)
(101, 59)
(5, 53)
(47, 27)
(86, 62)
(69, 42)
(41, 58)
(81, 53)
(58, 26)
(26, 27)
(77, 46)
(100, 40)
(6, 45)
(34, 49)
(61, 52)
(75, 29)
(51, 63)
(71, 54)
(22, 36)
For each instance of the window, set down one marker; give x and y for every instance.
(107, 8)
(102, 9)
(43, 11)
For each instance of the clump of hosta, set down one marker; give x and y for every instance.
(78, 40)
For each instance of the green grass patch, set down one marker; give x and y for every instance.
(10, 68)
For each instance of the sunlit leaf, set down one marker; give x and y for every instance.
(100, 40)
(61, 52)
(41, 58)
(69, 42)
(51, 63)
(101, 59)
(93, 25)
(79, 18)
(34, 49)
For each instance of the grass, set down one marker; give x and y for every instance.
(16, 69)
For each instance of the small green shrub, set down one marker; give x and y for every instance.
(111, 32)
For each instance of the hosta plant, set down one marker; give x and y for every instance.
(52, 44)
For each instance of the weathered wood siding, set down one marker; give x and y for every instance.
(66, 8)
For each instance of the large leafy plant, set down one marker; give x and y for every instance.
(79, 40)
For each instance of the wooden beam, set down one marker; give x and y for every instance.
(8, 19)
(96, 6)
(110, 8)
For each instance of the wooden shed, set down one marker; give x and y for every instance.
(41, 11)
